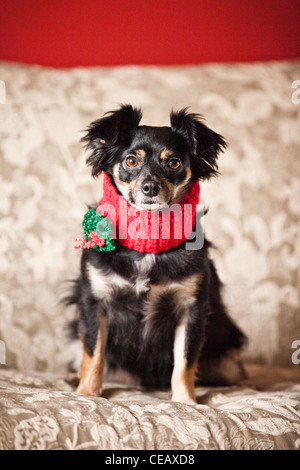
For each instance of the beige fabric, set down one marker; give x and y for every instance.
(254, 206)
(43, 412)
(253, 220)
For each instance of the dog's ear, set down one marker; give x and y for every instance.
(105, 136)
(204, 144)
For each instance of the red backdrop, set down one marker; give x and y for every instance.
(65, 33)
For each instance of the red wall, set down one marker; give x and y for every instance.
(64, 33)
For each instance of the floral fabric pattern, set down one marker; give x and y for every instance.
(40, 412)
(254, 205)
(253, 220)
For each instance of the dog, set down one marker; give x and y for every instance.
(154, 310)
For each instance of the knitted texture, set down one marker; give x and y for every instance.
(145, 231)
(93, 221)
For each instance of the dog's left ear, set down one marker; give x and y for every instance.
(204, 144)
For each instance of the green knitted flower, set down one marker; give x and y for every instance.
(92, 220)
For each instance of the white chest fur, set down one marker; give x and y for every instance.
(103, 285)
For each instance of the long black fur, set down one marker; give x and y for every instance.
(145, 349)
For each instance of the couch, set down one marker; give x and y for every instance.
(253, 220)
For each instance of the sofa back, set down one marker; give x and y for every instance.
(254, 208)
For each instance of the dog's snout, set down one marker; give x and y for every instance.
(150, 188)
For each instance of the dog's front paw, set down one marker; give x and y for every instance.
(91, 392)
(184, 398)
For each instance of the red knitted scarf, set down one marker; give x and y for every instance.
(149, 232)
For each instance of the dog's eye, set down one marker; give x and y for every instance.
(131, 161)
(174, 163)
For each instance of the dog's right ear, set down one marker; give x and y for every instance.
(106, 135)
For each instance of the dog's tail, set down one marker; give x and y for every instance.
(72, 328)
(263, 377)
(73, 297)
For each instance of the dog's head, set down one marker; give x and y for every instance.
(152, 167)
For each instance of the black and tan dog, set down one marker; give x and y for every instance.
(159, 316)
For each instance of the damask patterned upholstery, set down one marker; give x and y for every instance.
(253, 220)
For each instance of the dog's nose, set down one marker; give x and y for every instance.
(150, 188)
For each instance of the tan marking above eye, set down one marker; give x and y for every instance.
(165, 154)
(140, 153)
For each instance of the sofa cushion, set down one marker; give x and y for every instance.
(42, 411)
